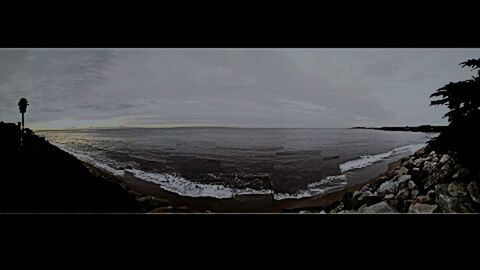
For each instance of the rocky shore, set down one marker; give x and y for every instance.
(425, 182)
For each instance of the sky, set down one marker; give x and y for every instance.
(298, 88)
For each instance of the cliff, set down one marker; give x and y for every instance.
(36, 176)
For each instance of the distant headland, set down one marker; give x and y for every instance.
(423, 128)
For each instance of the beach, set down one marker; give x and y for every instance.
(169, 202)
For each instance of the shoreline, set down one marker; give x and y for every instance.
(163, 201)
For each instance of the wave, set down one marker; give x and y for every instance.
(184, 187)
(315, 189)
(368, 160)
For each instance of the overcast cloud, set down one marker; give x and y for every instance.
(227, 87)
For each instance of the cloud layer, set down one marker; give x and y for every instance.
(227, 87)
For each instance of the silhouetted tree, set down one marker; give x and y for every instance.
(463, 101)
(22, 105)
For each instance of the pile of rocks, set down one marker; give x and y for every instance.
(425, 182)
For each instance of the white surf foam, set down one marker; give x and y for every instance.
(315, 189)
(367, 160)
(86, 158)
(185, 187)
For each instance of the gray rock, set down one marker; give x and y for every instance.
(379, 208)
(435, 178)
(402, 171)
(364, 194)
(432, 154)
(418, 162)
(458, 190)
(414, 194)
(434, 164)
(403, 181)
(411, 185)
(445, 158)
(402, 194)
(427, 166)
(388, 187)
(389, 197)
(362, 208)
(441, 189)
(435, 159)
(420, 208)
(450, 204)
(462, 173)
(473, 188)
(445, 167)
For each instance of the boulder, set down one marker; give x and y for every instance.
(441, 189)
(420, 208)
(472, 190)
(364, 194)
(428, 166)
(450, 204)
(445, 158)
(435, 159)
(366, 198)
(412, 185)
(388, 187)
(445, 167)
(418, 162)
(432, 154)
(403, 181)
(414, 193)
(435, 178)
(402, 171)
(389, 197)
(404, 178)
(361, 209)
(458, 190)
(379, 208)
(402, 194)
(461, 174)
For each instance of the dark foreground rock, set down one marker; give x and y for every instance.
(36, 176)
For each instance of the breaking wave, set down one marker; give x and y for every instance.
(367, 160)
(184, 187)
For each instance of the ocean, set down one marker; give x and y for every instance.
(226, 162)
